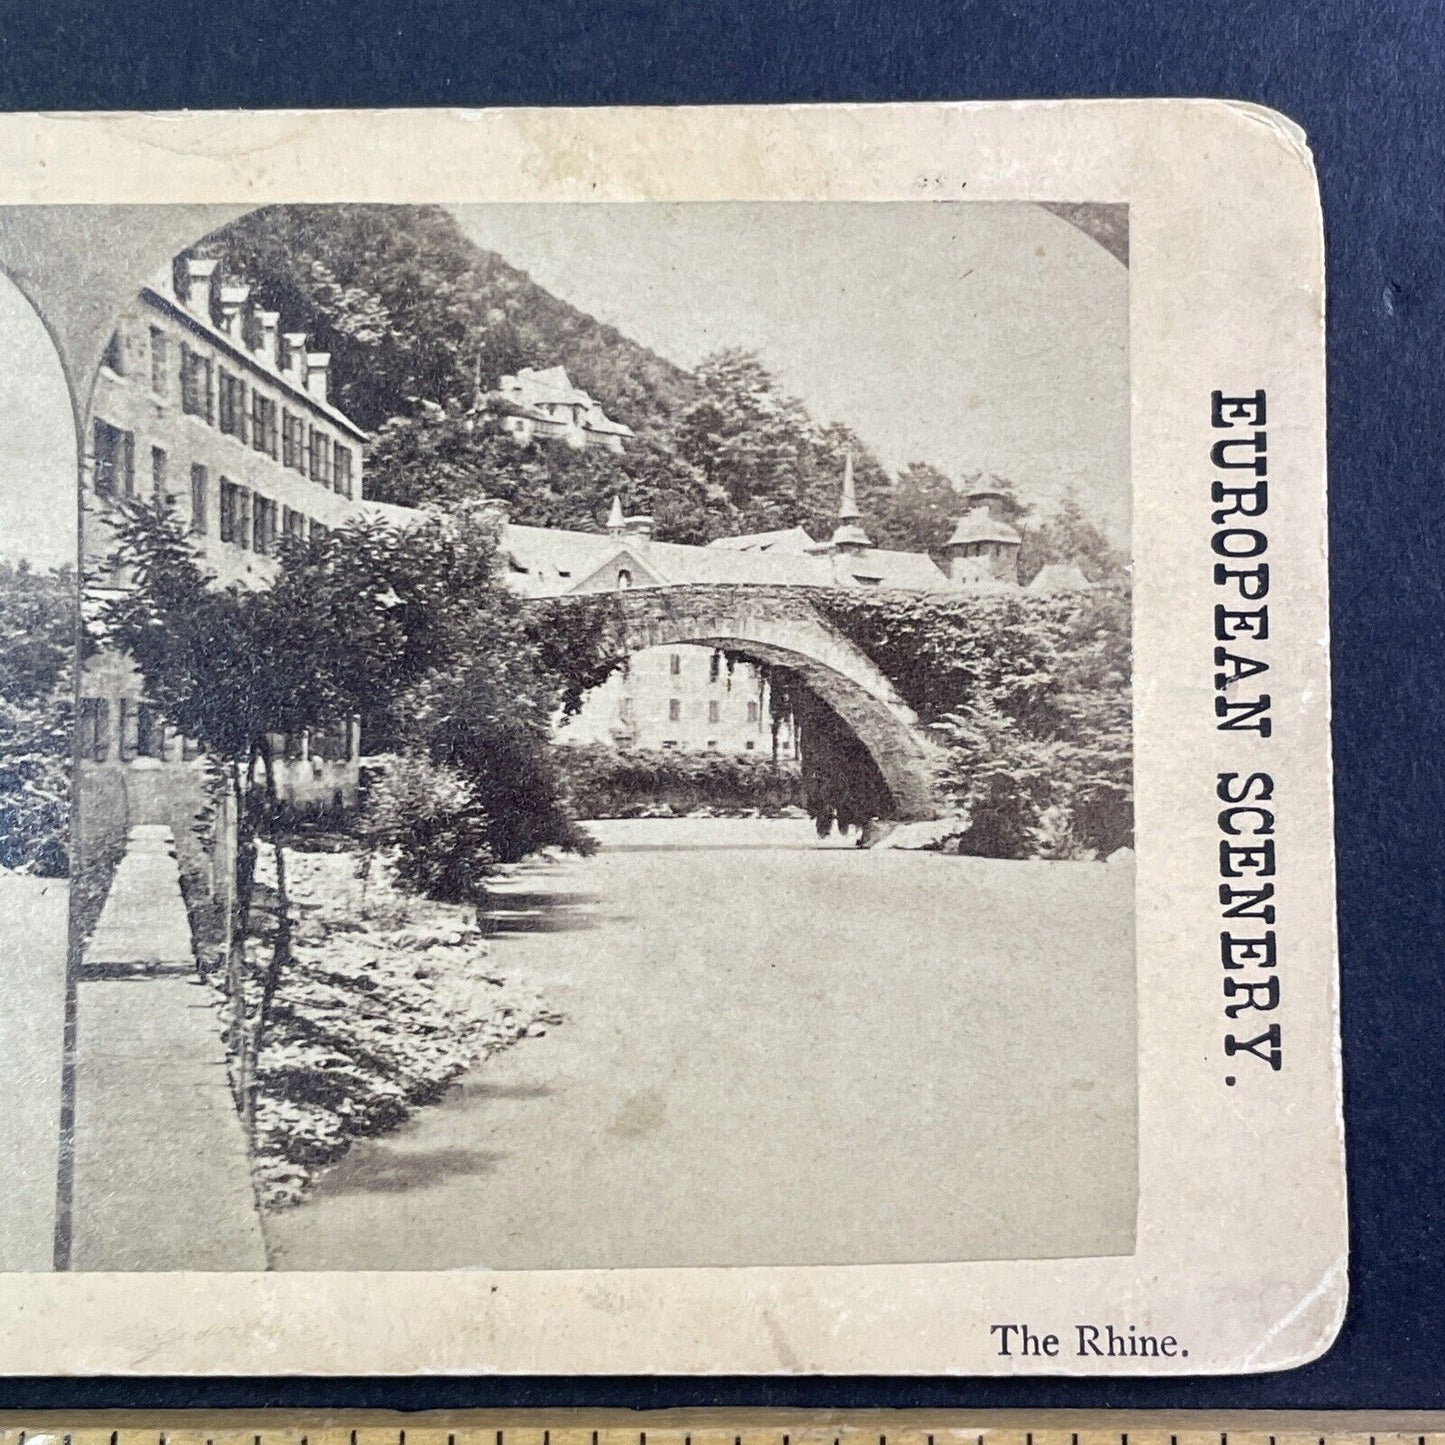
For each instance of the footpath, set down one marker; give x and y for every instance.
(162, 1179)
(33, 930)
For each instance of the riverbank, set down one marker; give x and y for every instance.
(390, 997)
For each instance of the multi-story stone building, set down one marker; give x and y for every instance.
(201, 397)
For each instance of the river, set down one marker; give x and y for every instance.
(773, 1052)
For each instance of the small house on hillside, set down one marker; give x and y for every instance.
(544, 405)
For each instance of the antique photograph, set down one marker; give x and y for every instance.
(677, 742)
(603, 740)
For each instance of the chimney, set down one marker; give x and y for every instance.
(640, 527)
(233, 310)
(318, 365)
(293, 356)
(266, 324)
(200, 276)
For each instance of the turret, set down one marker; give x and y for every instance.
(984, 548)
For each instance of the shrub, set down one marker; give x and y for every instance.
(429, 815)
(603, 782)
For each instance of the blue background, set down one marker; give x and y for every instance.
(1366, 82)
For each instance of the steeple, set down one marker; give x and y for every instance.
(848, 508)
(849, 536)
(616, 522)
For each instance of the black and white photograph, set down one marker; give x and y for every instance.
(603, 740)
(704, 754)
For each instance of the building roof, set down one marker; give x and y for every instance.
(1060, 577)
(790, 540)
(978, 526)
(550, 560)
(159, 291)
(547, 561)
(879, 567)
(552, 384)
(599, 422)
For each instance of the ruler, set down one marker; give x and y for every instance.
(723, 1427)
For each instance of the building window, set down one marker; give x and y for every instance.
(263, 525)
(320, 457)
(264, 429)
(200, 485)
(114, 358)
(235, 514)
(114, 460)
(293, 525)
(126, 731)
(674, 709)
(342, 458)
(674, 664)
(190, 750)
(294, 747)
(319, 531)
(94, 730)
(624, 579)
(669, 743)
(293, 440)
(158, 472)
(160, 361)
(752, 712)
(750, 745)
(714, 711)
(624, 709)
(197, 380)
(150, 732)
(233, 405)
(332, 743)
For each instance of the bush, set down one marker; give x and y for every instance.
(603, 782)
(429, 815)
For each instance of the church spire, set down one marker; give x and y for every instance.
(848, 508)
(849, 537)
(616, 522)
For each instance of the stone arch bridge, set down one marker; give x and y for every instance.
(780, 625)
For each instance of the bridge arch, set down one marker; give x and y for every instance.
(780, 626)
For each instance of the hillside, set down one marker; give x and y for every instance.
(409, 307)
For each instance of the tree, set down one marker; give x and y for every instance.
(37, 644)
(1069, 537)
(411, 630)
(920, 511)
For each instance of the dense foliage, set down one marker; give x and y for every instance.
(37, 644)
(413, 312)
(603, 782)
(1031, 698)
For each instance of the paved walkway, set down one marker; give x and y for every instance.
(773, 1052)
(144, 923)
(33, 929)
(162, 1178)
